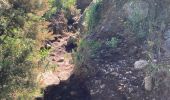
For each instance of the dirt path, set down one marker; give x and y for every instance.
(60, 56)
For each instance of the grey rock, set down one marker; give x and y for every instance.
(49, 78)
(148, 83)
(141, 64)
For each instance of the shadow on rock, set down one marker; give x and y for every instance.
(74, 89)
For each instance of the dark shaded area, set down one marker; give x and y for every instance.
(71, 21)
(83, 4)
(71, 46)
(72, 24)
(72, 90)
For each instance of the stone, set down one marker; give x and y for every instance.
(148, 83)
(130, 90)
(63, 76)
(102, 86)
(136, 10)
(49, 78)
(141, 64)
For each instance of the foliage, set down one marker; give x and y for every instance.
(22, 33)
(85, 51)
(57, 5)
(62, 4)
(112, 43)
(91, 15)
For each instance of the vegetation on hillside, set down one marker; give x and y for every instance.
(125, 48)
(23, 31)
(67, 6)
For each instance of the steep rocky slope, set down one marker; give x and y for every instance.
(123, 53)
(138, 29)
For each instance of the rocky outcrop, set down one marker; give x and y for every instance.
(138, 26)
(116, 34)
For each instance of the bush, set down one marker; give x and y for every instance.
(57, 5)
(91, 15)
(22, 34)
(112, 43)
(86, 50)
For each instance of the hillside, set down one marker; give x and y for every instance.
(122, 52)
(84, 49)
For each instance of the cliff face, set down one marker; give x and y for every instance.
(125, 31)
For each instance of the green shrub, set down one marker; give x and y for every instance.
(51, 12)
(23, 32)
(112, 43)
(85, 51)
(91, 15)
(57, 5)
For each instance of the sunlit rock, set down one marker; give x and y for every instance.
(141, 64)
(49, 78)
(63, 76)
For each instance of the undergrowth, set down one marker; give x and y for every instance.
(86, 50)
(91, 16)
(23, 31)
(112, 43)
(58, 5)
